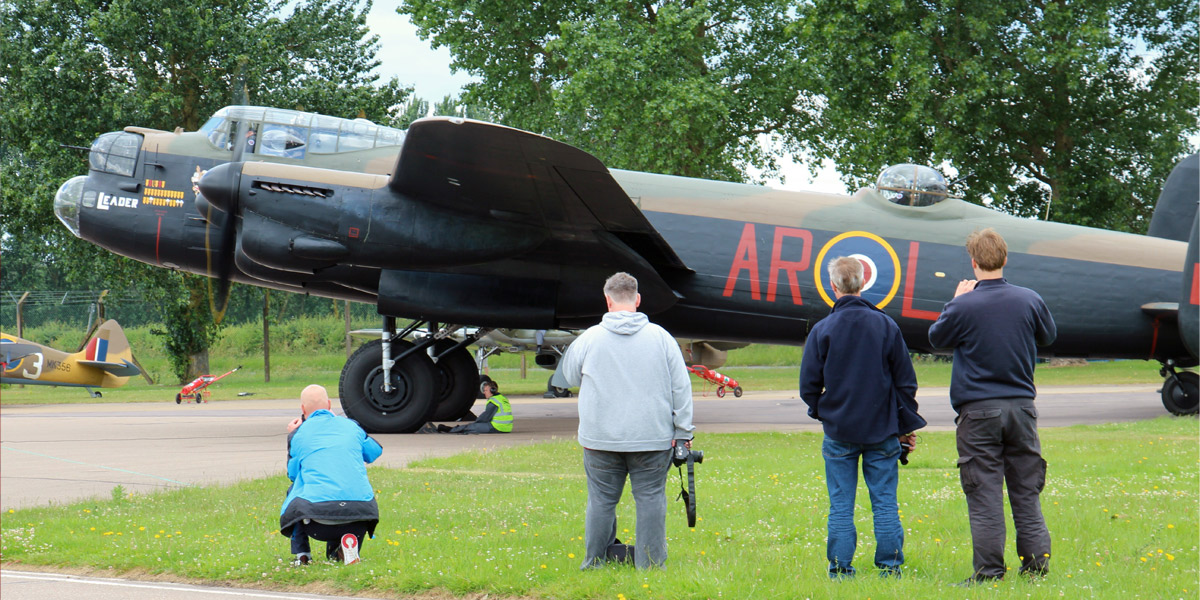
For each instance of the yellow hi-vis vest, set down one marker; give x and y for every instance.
(503, 419)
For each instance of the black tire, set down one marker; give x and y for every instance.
(479, 390)
(409, 405)
(178, 398)
(99, 395)
(737, 392)
(199, 397)
(721, 392)
(1181, 394)
(554, 391)
(456, 382)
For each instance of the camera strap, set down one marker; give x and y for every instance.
(688, 494)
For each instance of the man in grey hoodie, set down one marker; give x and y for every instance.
(635, 404)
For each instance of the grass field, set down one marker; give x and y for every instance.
(1121, 502)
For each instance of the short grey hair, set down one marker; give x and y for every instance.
(846, 273)
(621, 288)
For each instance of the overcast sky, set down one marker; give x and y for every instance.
(406, 56)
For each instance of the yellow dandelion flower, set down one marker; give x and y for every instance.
(937, 540)
(1142, 558)
(702, 553)
(178, 533)
(1170, 526)
(92, 529)
(156, 536)
(646, 585)
(1170, 557)
(11, 511)
(108, 533)
(513, 530)
(161, 531)
(143, 529)
(1046, 554)
(543, 566)
(398, 532)
(1098, 564)
(571, 555)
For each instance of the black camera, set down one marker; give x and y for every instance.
(682, 452)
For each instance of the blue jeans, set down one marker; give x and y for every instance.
(606, 475)
(881, 472)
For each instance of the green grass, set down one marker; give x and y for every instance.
(1121, 503)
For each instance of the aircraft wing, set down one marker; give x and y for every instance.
(494, 171)
(121, 369)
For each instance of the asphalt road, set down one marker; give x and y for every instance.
(63, 453)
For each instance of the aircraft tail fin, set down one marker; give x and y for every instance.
(1175, 210)
(1189, 303)
(109, 350)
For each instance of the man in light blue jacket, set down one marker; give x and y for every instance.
(330, 499)
(635, 404)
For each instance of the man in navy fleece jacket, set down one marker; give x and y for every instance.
(855, 371)
(995, 328)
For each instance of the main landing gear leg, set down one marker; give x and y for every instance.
(1180, 390)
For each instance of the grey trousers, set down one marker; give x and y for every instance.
(606, 473)
(998, 445)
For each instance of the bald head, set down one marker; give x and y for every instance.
(314, 398)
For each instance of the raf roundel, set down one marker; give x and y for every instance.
(881, 266)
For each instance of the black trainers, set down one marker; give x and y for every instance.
(975, 580)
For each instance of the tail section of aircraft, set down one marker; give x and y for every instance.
(1189, 303)
(1175, 210)
(109, 350)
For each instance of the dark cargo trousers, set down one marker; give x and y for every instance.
(998, 445)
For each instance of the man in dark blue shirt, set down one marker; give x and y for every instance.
(855, 372)
(994, 328)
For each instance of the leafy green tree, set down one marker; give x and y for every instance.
(452, 106)
(412, 109)
(674, 87)
(70, 70)
(1073, 109)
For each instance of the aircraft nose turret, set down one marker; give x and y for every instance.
(220, 186)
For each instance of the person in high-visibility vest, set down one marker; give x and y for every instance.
(496, 418)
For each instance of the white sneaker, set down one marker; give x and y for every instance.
(349, 549)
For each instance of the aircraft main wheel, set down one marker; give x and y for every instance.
(1181, 394)
(408, 405)
(721, 392)
(737, 392)
(178, 398)
(456, 382)
(553, 391)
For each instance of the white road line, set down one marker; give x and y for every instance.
(174, 587)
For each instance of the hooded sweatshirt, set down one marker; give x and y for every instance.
(634, 391)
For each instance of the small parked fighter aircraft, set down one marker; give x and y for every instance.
(105, 362)
(458, 223)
